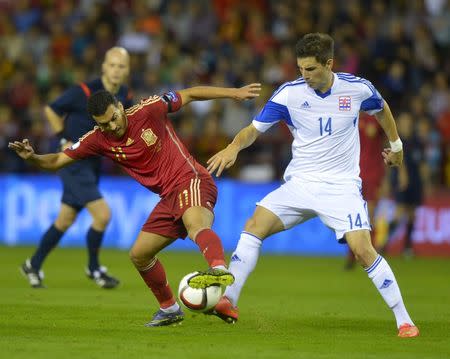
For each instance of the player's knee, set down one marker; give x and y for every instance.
(141, 262)
(191, 229)
(63, 223)
(102, 219)
(196, 219)
(135, 257)
(255, 227)
(195, 230)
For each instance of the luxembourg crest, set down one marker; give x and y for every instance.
(149, 137)
(345, 103)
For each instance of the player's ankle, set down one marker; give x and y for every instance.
(220, 266)
(172, 308)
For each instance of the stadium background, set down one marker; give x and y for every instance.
(46, 46)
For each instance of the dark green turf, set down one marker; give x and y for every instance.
(292, 307)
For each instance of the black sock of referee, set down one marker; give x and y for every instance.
(49, 241)
(94, 242)
(408, 238)
(392, 227)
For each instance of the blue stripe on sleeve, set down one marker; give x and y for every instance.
(274, 112)
(374, 102)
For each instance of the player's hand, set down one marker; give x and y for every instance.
(23, 149)
(248, 92)
(392, 159)
(222, 160)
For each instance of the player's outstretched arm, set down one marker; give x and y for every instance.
(200, 93)
(50, 161)
(392, 156)
(227, 157)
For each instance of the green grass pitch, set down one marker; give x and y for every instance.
(292, 307)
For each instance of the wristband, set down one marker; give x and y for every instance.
(397, 145)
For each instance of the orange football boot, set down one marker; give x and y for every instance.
(407, 331)
(226, 311)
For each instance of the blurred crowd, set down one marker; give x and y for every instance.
(402, 46)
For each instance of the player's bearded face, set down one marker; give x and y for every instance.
(316, 75)
(113, 121)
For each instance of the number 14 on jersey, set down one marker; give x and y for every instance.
(325, 126)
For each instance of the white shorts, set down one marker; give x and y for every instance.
(340, 207)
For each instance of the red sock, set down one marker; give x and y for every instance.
(156, 280)
(211, 247)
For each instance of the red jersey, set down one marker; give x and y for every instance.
(149, 151)
(371, 139)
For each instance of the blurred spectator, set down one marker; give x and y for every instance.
(60, 42)
(148, 19)
(21, 93)
(443, 122)
(186, 132)
(431, 142)
(211, 139)
(12, 42)
(25, 15)
(439, 21)
(281, 21)
(447, 165)
(439, 94)
(235, 117)
(257, 35)
(134, 39)
(395, 83)
(178, 22)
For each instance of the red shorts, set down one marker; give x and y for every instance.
(165, 218)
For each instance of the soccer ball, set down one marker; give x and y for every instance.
(198, 300)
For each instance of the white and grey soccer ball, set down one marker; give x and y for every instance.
(198, 300)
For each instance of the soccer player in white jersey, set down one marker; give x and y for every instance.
(321, 110)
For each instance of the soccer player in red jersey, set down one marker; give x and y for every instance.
(141, 139)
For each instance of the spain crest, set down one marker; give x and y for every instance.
(149, 137)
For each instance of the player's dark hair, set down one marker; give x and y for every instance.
(99, 102)
(318, 45)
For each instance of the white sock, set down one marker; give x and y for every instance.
(172, 309)
(382, 276)
(243, 261)
(220, 267)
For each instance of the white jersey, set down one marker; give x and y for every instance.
(324, 126)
